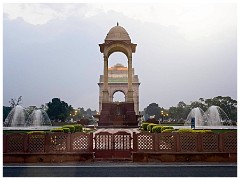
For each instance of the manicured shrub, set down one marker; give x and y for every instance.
(71, 127)
(66, 130)
(150, 126)
(144, 126)
(184, 130)
(35, 132)
(78, 127)
(168, 130)
(193, 131)
(201, 131)
(157, 129)
(57, 130)
(166, 127)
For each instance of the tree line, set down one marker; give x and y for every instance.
(181, 111)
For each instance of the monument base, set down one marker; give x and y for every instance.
(118, 115)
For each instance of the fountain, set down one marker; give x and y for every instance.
(38, 118)
(215, 116)
(16, 117)
(19, 119)
(196, 113)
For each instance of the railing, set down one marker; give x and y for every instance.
(47, 143)
(142, 142)
(185, 142)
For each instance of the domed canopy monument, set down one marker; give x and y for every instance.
(115, 113)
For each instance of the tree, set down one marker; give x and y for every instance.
(15, 102)
(180, 112)
(58, 110)
(89, 113)
(199, 104)
(153, 110)
(6, 111)
(227, 104)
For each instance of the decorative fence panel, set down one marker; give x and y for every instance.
(4, 144)
(58, 142)
(143, 142)
(122, 145)
(16, 143)
(36, 142)
(103, 145)
(81, 142)
(166, 142)
(209, 142)
(188, 142)
(229, 142)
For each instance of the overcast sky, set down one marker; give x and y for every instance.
(184, 51)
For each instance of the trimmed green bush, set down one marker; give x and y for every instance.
(57, 130)
(71, 127)
(168, 130)
(78, 127)
(166, 127)
(201, 131)
(157, 129)
(66, 130)
(193, 131)
(144, 126)
(150, 126)
(184, 130)
(33, 132)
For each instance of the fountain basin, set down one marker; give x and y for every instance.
(30, 128)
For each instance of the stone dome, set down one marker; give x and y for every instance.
(117, 33)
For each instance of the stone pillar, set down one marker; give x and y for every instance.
(105, 81)
(130, 88)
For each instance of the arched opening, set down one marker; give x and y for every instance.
(118, 48)
(119, 96)
(117, 58)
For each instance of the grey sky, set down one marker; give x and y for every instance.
(184, 51)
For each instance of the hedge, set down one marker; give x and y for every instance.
(66, 130)
(57, 130)
(168, 130)
(193, 131)
(144, 125)
(184, 130)
(157, 129)
(33, 132)
(167, 127)
(78, 127)
(150, 126)
(71, 127)
(202, 131)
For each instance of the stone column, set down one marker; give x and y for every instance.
(105, 81)
(130, 89)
